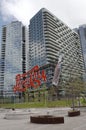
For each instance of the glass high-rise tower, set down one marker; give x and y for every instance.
(49, 37)
(81, 30)
(14, 54)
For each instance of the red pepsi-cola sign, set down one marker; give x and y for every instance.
(32, 78)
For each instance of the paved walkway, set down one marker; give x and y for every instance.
(71, 123)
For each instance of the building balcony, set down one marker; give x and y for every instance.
(52, 45)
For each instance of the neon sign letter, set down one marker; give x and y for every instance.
(32, 78)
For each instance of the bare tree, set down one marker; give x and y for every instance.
(74, 88)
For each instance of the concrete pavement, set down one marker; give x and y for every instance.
(71, 123)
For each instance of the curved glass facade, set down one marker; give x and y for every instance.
(13, 54)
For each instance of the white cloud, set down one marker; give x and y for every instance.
(72, 12)
(20, 9)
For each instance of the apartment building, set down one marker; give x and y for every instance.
(49, 38)
(14, 55)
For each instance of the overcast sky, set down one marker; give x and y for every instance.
(71, 12)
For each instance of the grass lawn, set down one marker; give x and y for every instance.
(59, 103)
